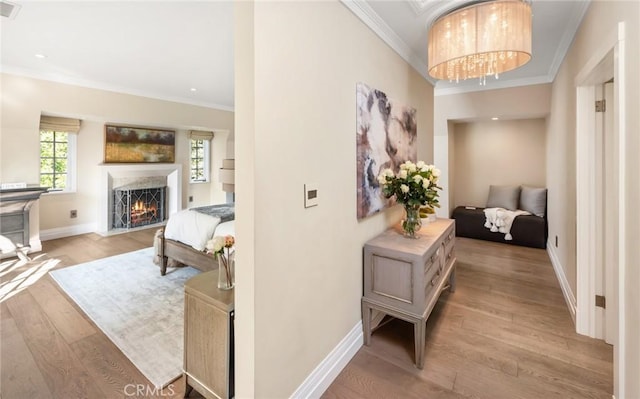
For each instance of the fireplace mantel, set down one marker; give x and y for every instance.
(109, 172)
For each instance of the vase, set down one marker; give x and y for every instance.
(226, 271)
(412, 222)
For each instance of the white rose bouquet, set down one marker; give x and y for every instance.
(413, 185)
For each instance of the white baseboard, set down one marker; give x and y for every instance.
(569, 297)
(323, 375)
(60, 232)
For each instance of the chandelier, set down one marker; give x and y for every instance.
(480, 40)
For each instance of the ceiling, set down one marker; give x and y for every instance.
(158, 49)
(166, 49)
(404, 26)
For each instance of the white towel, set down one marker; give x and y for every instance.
(500, 220)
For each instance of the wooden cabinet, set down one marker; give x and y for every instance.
(208, 337)
(404, 277)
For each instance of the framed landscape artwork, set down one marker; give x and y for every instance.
(124, 144)
(386, 136)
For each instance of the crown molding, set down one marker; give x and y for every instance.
(366, 14)
(567, 38)
(51, 77)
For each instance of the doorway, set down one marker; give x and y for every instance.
(594, 245)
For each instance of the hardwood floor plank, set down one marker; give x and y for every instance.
(526, 290)
(115, 375)
(337, 390)
(486, 383)
(594, 348)
(533, 363)
(468, 300)
(580, 381)
(19, 373)
(397, 347)
(109, 368)
(514, 269)
(505, 333)
(513, 334)
(535, 341)
(71, 324)
(60, 367)
(378, 378)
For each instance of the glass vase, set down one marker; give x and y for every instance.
(226, 271)
(411, 223)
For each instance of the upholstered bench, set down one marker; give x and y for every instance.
(526, 230)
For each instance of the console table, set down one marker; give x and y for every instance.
(404, 277)
(208, 337)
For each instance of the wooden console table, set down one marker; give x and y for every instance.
(208, 337)
(404, 277)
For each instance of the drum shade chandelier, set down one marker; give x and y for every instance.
(480, 40)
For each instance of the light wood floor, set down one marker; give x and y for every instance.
(48, 347)
(505, 333)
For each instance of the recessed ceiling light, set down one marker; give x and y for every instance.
(495, 118)
(8, 9)
(41, 56)
(193, 89)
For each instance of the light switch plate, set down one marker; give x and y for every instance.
(310, 195)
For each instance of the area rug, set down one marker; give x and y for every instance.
(137, 308)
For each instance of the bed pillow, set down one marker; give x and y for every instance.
(503, 197)
(533, 200)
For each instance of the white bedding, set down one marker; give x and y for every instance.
(226, 229)
(195, 228)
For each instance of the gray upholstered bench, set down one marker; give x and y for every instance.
(527, 230)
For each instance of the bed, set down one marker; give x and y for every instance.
(184, 237)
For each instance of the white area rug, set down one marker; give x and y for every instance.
(139, 310)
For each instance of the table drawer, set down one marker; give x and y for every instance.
(434, 271)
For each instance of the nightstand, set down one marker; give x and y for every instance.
(208, 337)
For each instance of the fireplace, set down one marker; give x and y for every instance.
(135, 207)
(137, 176)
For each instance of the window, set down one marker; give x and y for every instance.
(199, 160)
(57, 160)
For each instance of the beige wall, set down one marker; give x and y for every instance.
(601, 20)
(298, 126)
(497, 152)
(527, 102)
(24, 99)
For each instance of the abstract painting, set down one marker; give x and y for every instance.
(386, 136)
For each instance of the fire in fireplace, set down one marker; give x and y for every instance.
(135, 207)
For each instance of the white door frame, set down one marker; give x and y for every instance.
(609, 57)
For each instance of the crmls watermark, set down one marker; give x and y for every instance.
(144, 390)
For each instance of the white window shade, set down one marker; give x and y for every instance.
(59, 124)
(200, 135)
